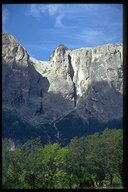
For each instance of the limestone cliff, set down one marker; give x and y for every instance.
(86, 82)
(22, 86)
(89, 78)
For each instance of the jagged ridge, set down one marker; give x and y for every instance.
(87, 80)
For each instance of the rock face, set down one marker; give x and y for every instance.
(85, 82)
(89, 78)
(23, 86)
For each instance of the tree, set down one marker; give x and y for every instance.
(87, 162)
(62, 175)
(105, 154)
(113, 141)
(11, 168)
(48, 155)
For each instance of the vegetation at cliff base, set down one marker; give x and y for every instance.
(94, 161)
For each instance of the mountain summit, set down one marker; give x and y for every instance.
(74, 93)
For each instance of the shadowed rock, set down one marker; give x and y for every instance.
(83, 85)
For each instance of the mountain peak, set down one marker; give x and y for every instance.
(62, 47)
(8, 39)
(88, 80)
(59, 53)
(13, 51)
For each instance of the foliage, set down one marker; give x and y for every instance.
(87, 162)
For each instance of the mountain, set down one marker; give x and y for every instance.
(75, 93)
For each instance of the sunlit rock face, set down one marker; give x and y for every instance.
(90, 78)
(87, 82)
(98, 74)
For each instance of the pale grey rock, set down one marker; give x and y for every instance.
(96, 64)
(88, 80)
(98, 77)
(12, 51)
(23, 86)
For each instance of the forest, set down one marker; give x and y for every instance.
(94, 161)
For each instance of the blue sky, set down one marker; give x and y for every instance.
(40, 28)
